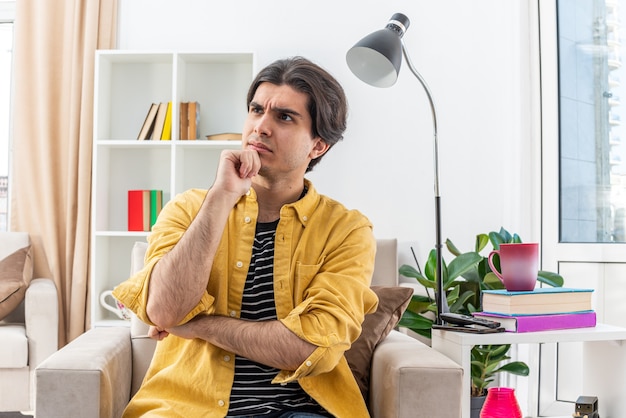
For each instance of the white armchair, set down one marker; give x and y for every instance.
(28, 334)
(103, 368)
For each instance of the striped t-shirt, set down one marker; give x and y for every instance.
(252, 392)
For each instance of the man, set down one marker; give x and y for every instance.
(256, 287)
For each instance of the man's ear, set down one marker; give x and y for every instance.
(319, 148)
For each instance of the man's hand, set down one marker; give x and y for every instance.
(235, 171)
(186, 331)
(157, 334)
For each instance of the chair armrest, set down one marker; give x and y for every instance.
(41, 316)
(89, 377)
(409, 379)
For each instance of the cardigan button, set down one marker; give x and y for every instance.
(239, 264)
(221, 403)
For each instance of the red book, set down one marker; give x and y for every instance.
(531, 323)
(139, 210)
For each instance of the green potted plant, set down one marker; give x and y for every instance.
(464, 278)
(485, 363)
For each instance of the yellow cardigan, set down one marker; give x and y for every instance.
(323, 264)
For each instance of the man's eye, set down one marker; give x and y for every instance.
(255, 109)
(285, 116)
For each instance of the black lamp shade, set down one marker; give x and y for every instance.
(376, 59)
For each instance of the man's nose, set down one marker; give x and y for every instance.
(263, 125)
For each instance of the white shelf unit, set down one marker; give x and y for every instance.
(126, 83)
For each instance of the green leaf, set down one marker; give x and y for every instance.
(472, 275)
(506, 236)
(452, 248)
(409, 271)
(461, 301)
(471, 308)
(431, 265)
(482, 268)
(515, 367)
(492, 281)
(499, 350)
(415, 321)
(452, 295)
(496, 239)
(551, 279)
(419, 304)
(477, 368)
(462, 263)
(420, 298)
(429, 284)
(481, 242)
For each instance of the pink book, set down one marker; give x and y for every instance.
(530, 323)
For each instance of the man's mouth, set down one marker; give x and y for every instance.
(258, 147)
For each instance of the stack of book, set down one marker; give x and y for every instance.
(542, 309)
(158, 123)
(144, 207)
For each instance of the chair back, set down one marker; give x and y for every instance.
(386, 263)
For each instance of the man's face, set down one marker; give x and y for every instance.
(278, 127)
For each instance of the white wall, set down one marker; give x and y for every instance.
(475, 58)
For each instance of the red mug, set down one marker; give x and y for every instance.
(519, 263)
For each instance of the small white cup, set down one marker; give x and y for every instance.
(117, 308)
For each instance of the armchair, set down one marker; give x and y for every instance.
(28, 334)
(103, 368)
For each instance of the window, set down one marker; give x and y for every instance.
(583, 187)
(592, 121)
(7, 15)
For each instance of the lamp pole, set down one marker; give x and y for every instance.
(441, 301)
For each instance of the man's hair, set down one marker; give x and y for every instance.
(327, 102)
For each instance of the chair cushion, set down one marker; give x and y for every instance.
(16, 272)
(392, 301)
(14, 346)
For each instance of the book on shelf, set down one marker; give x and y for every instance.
(156, 204)
(193, 119)
(159, 121)
(183, 120)
(166, 135)
(547, 322)
(148, 124)
(139, 210)
(226, 136)
(544, 300)
(189, 118)
(144, 207)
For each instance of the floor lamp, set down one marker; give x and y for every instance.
(376, 60)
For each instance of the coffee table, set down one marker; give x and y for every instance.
(603, 366)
